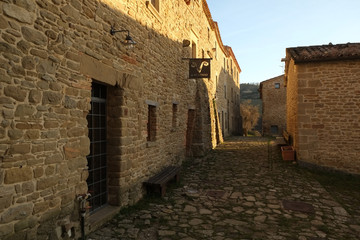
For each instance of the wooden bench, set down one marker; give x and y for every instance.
(158, 182)
(287, 137)
(285, 140)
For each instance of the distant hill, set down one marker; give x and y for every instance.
(249, 91)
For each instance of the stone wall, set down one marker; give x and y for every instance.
(292, 103)
(328, 115)
(273, 106)
(51, 52)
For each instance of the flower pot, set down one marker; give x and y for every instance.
(288, 153)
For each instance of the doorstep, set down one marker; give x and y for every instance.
(100, 217)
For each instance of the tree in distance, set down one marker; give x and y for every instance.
(250, 116)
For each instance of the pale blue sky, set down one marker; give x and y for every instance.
(259, 31)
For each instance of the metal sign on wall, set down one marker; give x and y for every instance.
(199, 67)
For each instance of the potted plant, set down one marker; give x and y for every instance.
(288, 153)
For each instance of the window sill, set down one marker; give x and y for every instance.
(151, 144)
(154, 11)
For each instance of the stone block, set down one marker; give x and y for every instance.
(50, 146)
(6, 100)
(36, 148)
(50, 134)
(28, 62)
(3, 22)
(71, 152)
(27, 187)
(43, 85)
(17, 212)
(6, 197)
(53, 158)
(32, 134)
(35, 96)
(18, 13)
(70, 103)
(2, 133)
(50, 214)
(15, 92)
(51, 124)
(66, 198)
(21, 225)
(8, 114)
(38, 172)
(55, 86)
(6, 229)
(76, 132)
(75, 163)
(39, 53)
(40, 207)
(49, 170)
(51, 97)
(16, 175)
(24, 110)
(34, 36)
(15, 134)
(71, 12)
(48, 182)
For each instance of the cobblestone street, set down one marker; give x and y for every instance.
(241, 190)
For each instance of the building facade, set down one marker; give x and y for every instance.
(323, 84)
(273, 96)
(83, 113)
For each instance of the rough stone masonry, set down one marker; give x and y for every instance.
(52, 52)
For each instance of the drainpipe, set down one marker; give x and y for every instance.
(83, 207)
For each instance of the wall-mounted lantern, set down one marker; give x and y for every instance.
(186, 43)
(128, 42)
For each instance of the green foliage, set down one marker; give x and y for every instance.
(250, 116)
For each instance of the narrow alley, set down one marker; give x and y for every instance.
(241, 190)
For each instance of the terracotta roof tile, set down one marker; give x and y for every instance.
(324, 52)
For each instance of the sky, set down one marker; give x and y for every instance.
(259, 31)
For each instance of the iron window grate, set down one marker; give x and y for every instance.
(97, 183)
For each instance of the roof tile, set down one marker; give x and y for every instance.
(328, 52)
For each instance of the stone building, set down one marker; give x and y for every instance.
(81, 112)
(323, 102)
(273, 96)
(228, 93)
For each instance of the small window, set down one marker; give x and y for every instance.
(277, 85)
(274, 129)
(193, 48)
(156, 4)
(208, 33)
(225, 91)
(174, 115)
(202, 53)
(151, 125)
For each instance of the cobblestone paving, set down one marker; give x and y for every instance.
(238, 192)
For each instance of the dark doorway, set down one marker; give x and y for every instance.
(96, 181)
(189, 131)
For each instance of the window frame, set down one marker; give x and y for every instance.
(151, 123)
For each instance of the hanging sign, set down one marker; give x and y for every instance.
(199, 68)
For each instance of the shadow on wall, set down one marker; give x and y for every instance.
(153, 71)
(228, 104)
